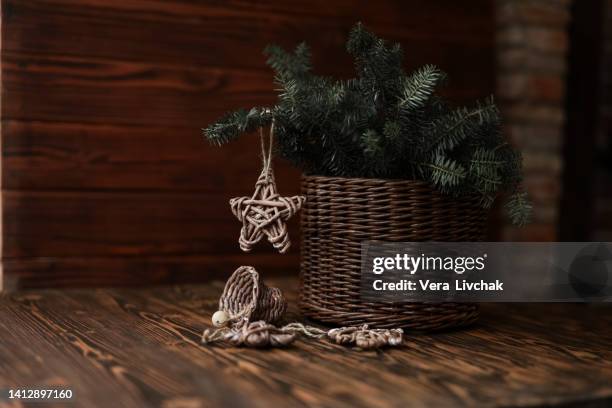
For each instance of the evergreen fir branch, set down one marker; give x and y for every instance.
(360, 41)
(449, 130)
(418, 88)
(353, 110)
(371, 143)
(484, 170)
(485, 158)
(487, 183)
(378, 65)
(341, 157)
(232, 125)
(445, 172)
(393, 132)
(487, 200)
(382, 123)
(287, 65)
(519, 208)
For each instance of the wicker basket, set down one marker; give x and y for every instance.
(340, 213)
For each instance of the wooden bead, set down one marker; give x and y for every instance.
(219, 318)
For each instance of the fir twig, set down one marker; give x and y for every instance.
(383, 123)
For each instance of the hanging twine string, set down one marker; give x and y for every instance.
(266, 153)
(246, 297)
(265, 212)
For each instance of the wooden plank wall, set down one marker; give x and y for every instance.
(106, 179)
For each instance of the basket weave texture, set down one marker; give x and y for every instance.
(340, 213)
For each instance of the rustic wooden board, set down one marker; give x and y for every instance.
(61, 156)
(141, 348)
(86, 90)
(233, 33)
(103, 101)
(73, 272)
(78, 224)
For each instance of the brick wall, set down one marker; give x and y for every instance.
(532, 43)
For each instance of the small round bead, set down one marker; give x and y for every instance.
(219, 318)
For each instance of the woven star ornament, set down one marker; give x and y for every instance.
(265, 213)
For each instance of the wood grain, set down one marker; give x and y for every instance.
(90, 91)
(78, 224)
(141, 348)
(103, 102)
(74, 272)
(233, 33)
(60, 156)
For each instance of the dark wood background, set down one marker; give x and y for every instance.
(586, 205)
(106, 179)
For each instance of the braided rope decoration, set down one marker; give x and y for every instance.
(246, 297)
(265, 212)
(366, 338)
(254, 334)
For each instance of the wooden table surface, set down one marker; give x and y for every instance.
(141, 347)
